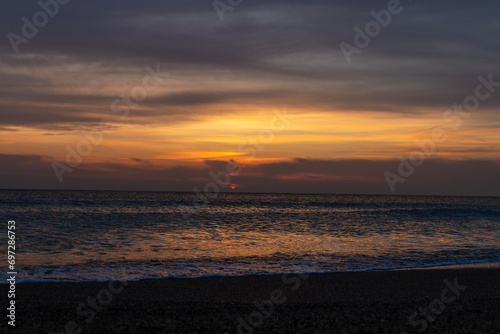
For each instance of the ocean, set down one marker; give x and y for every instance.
(112, 235)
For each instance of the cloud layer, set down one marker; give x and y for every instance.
(226, 76)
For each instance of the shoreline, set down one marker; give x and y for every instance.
(433, 267)
(341, 302)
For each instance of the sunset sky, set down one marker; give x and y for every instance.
(227, 80)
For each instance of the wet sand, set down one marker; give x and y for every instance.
(363, 302)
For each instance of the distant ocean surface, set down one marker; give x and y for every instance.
(103, 235)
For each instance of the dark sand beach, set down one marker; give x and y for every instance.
(362, 302)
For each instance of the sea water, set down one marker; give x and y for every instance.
(107, 235)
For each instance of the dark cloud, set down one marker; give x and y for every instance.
(428, 57)
(7, 129)
(354, 176)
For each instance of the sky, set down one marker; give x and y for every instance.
(160, 95)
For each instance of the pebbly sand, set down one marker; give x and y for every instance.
(360, 302)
